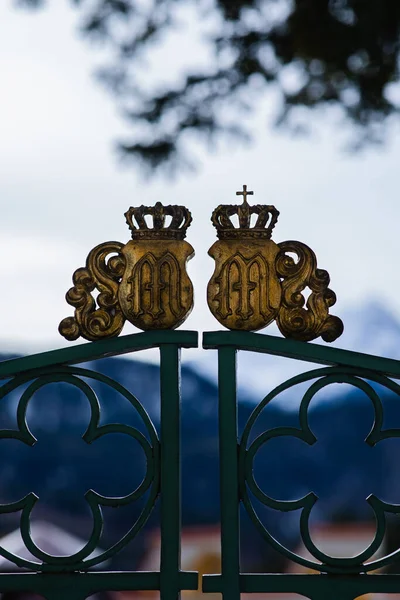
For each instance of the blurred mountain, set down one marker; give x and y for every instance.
(371, 328)
(339, 467)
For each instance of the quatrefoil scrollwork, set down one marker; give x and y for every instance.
(247, 482)
(81, 560)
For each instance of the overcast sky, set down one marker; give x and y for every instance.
(63, 191)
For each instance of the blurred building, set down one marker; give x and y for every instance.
(201, 552)
(338, 540)
(53, 540)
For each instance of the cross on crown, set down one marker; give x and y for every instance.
(244, 193)
(267, 216)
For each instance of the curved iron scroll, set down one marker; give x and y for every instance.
(94, 431)
(247, 483)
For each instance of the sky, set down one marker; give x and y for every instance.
(63, 190)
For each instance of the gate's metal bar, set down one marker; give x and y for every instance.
(95, 350)
(170, 473)
(170, 580)
(229, 491)
(315, 353)
(236, 477)
(85, 584)
(311, 586)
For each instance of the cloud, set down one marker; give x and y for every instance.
(33, 271)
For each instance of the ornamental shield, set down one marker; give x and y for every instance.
(144, 281)
(155, 291)
(244, 291)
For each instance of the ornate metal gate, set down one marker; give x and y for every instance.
(68, 577)
(344, 578)
(255, 282)
(59, 578)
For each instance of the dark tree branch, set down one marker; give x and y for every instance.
(346, 53)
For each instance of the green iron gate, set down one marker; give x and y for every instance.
(339, 578)
(65, 578)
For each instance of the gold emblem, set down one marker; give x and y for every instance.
(144, 282)
(257, 281)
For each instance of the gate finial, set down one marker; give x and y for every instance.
(244, 193)
(257, 281)
(145, 282)
(267, 217)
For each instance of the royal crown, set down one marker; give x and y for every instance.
(267, 217)
(175, 228)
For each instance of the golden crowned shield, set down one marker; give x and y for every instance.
(257, 281)
(244, 292)
(144, 281)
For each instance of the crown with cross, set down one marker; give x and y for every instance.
(168, 222)
(267, 216)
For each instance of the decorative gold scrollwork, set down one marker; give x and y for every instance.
(293, 319)
(145, 283)
(107, 319)
(255, 281)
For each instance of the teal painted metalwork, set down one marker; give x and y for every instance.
(84, 352)
(316, 587)
(170, 474)
(67, 577)
(229, 488)
(162, 477)
(309, 352)
(238, 484)
(95, 501)
(247, 482)
(80, 585)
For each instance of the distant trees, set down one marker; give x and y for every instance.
(343, 52)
